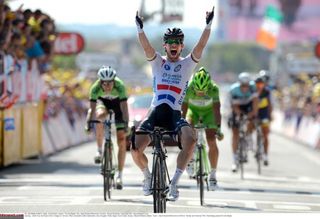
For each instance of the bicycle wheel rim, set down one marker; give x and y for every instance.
(201, 176)
(104, 174)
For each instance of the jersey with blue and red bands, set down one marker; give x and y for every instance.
(170, 80)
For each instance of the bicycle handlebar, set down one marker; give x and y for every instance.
(151, 134)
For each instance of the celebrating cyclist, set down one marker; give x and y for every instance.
(264, 114)
(108, 93)
(244, 101)
(171, 74)
(202, 103)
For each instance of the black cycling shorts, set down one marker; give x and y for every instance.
(165, 117)
(113, 104)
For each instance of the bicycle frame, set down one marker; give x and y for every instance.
(242, 144)
(202, 165)
(107, 166)
(160, 174)
(259, 148)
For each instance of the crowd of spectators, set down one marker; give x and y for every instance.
(25, 35)
(300, 99)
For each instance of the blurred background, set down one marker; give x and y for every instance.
(50, 52)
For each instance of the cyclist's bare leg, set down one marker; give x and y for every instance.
(213, 152)
(138, 155)
(188, 141)
(101, 114)
(235, 139)
(121, 140)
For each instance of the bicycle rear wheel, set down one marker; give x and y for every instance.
(107, 171)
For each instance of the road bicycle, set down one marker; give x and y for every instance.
(107, 163)
(202, 165)
(243, 145)
(160, 176)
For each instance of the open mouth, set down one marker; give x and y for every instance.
(173, 52)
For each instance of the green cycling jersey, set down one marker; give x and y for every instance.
(201, 107)
(202, 103)
(118, 91)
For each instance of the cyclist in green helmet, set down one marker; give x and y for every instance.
(202, 102)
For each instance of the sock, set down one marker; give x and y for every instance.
(99, 149)
(176, 176)
(235, 158)
(146, 172)
(213, 173)
(120, 174)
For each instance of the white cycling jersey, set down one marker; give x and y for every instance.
(170, 80)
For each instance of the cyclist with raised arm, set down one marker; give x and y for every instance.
(108, 93)
(202, 102)
(264, 114)
(244, 101)
(171, 74)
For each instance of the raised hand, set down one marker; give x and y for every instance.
(209, 18)
(139, 22)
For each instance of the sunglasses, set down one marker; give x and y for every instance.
(173, 41)
(106, 82)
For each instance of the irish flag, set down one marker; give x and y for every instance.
(268, 33)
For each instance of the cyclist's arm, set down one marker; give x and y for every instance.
(184, 109)
(148, 49)
(255, 107)
(124, 110)
(91, 110)
(216, 112)
(198, 49)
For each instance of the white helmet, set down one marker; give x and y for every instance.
(244, 78)
(106, 73)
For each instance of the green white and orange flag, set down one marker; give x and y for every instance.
(269, 30)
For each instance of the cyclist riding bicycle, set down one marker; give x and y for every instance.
(264, 114)
(244, 101)
(171, 74)
(109, 93)
(202, 103)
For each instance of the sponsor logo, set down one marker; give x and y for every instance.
(68, 43)
(166, 67)
(177, 68)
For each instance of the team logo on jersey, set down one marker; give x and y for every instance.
(166, 67)
(177, 68)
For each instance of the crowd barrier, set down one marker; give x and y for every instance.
(307, 133)
(23, 132)
(25, 135)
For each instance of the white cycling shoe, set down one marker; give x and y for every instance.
(173, 192)
(147, 186)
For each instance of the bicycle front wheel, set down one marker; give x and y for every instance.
(201, 175)
(242, 145)
(159, 185)
(107, 171)
(259, 152)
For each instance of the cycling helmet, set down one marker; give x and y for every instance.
(174, 33)
(260, 79)
(265, 74)
(201, 79)
(244, 78)
(106, 73)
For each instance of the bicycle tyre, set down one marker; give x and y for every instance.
(201, 174)
(241, 156)
(156, 185)
(258, 153)
(107, 173)
(163, 180)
